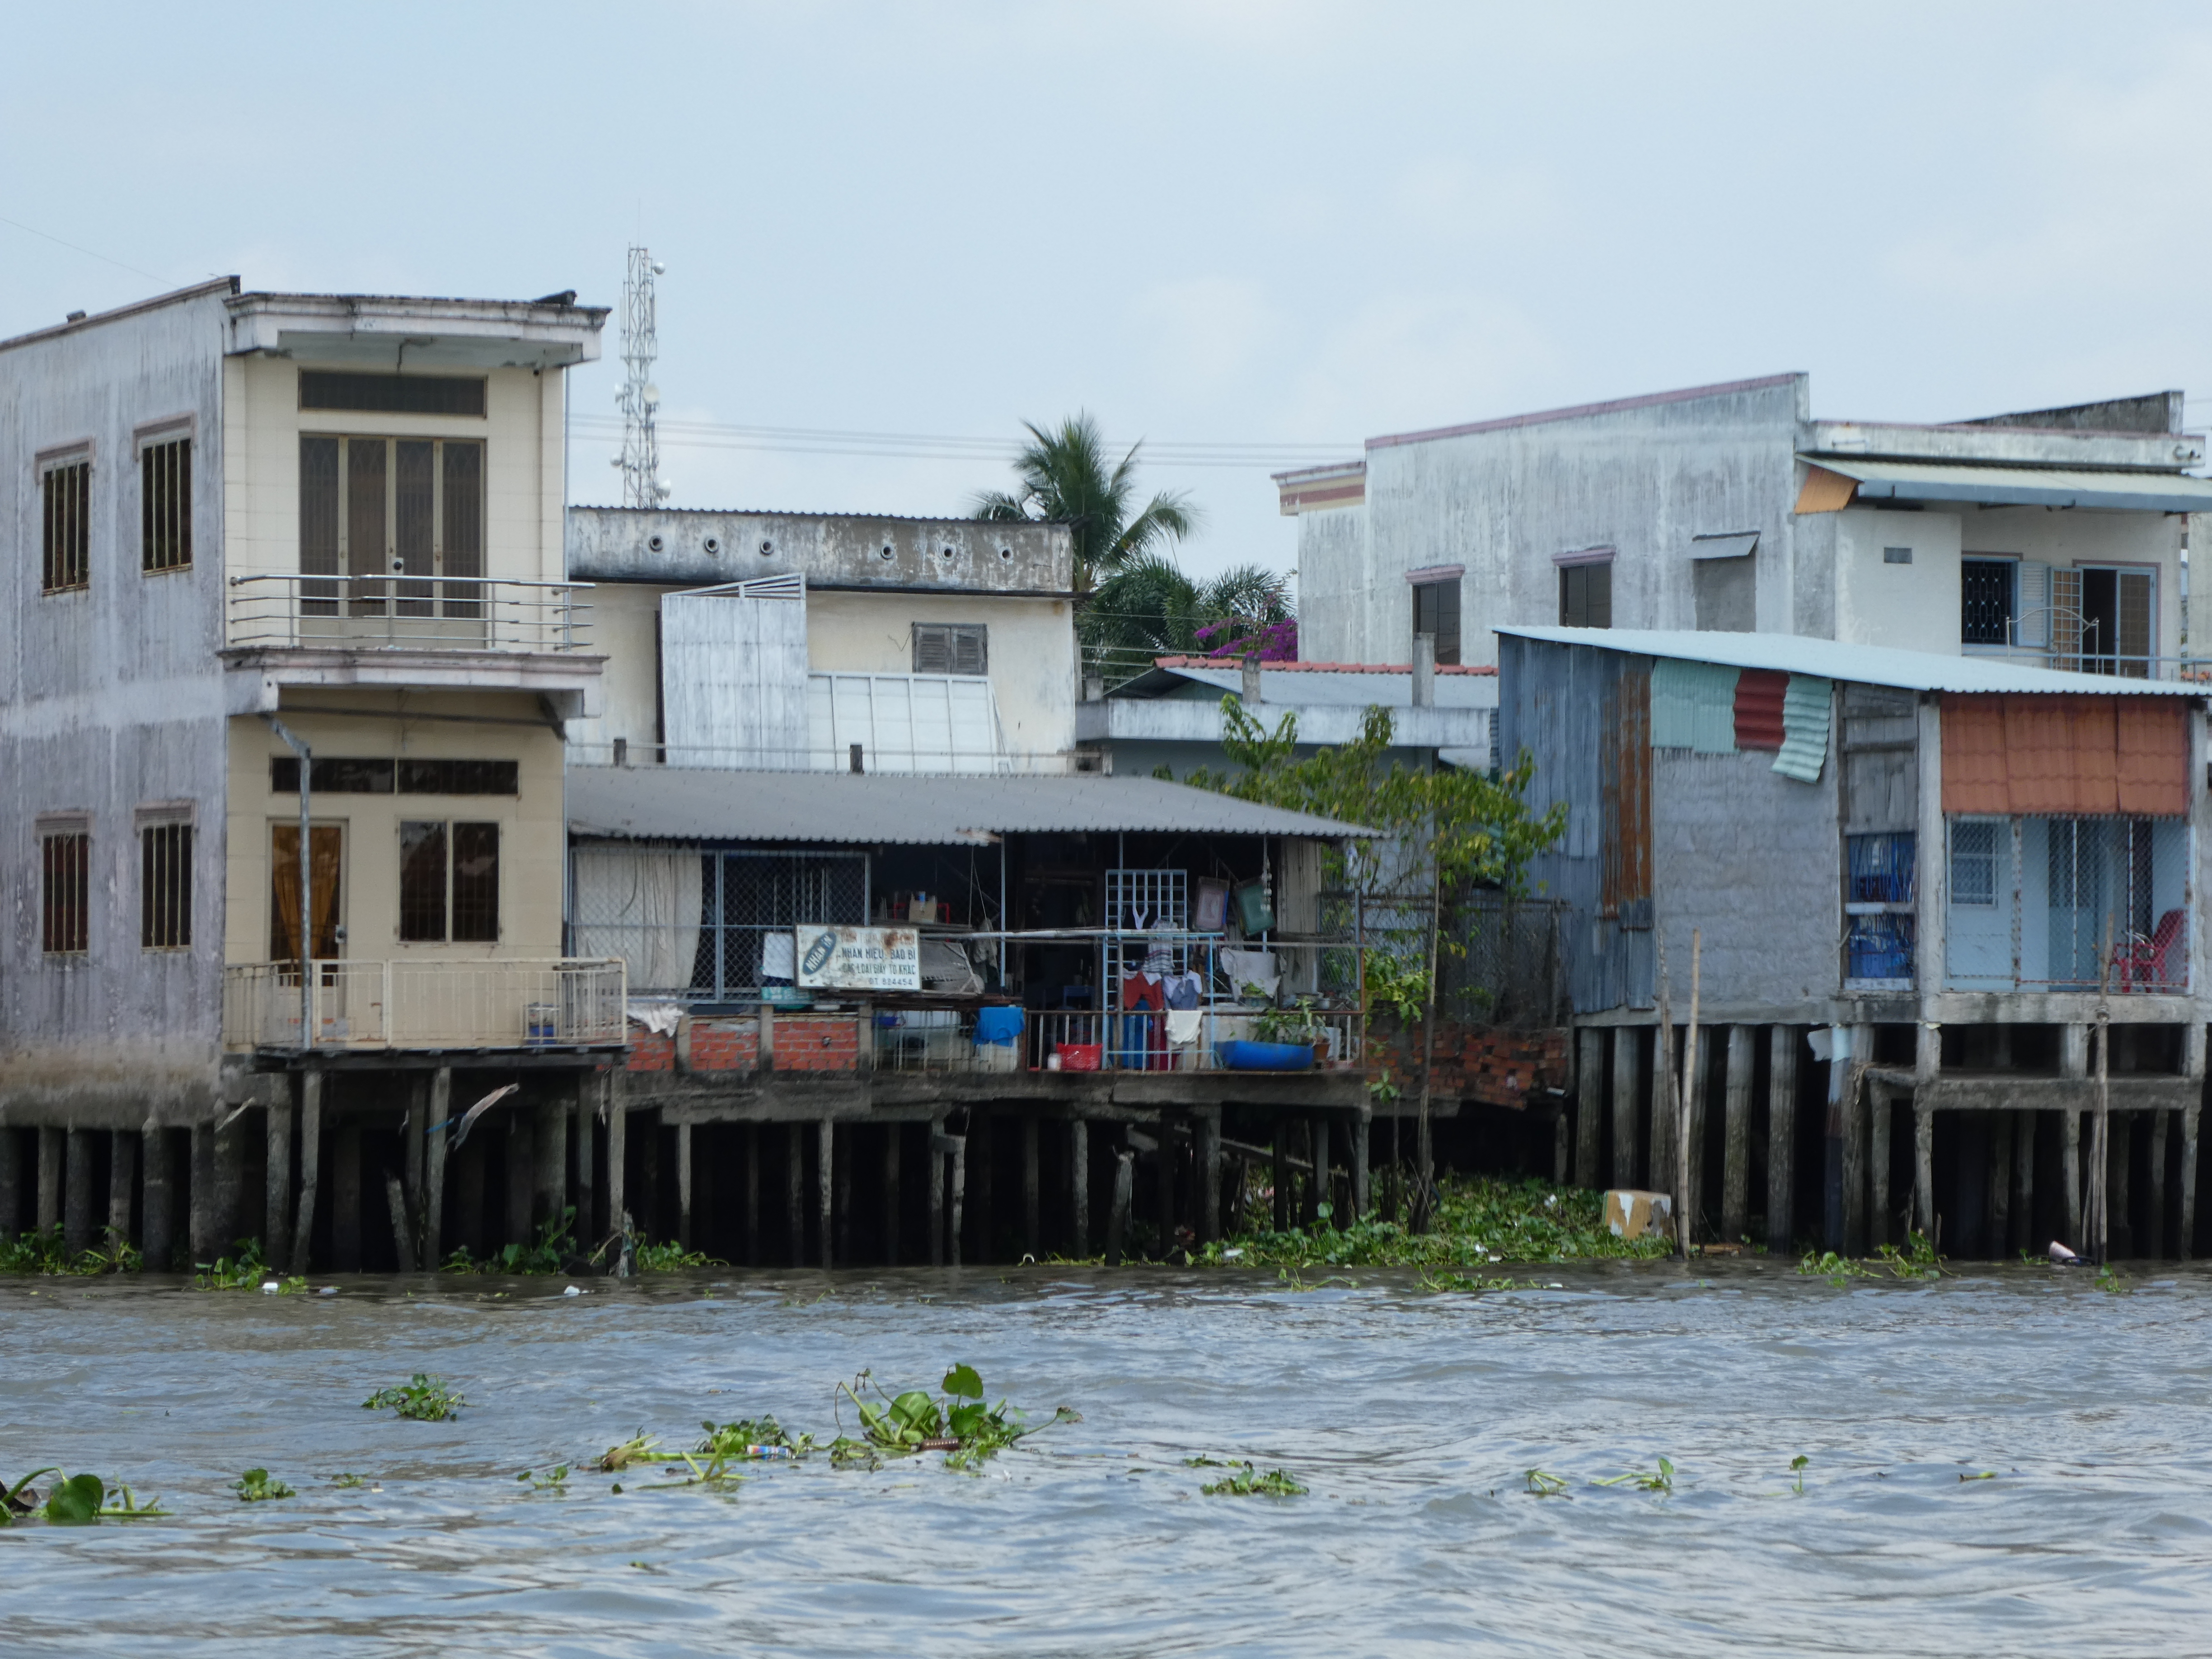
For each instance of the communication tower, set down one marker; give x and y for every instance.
(640, 460)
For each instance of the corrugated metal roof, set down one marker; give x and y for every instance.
(1867, 664)
(695, 803)
(2022, 486)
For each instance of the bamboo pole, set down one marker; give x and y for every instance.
(2100, 1146)
(1662, 1071)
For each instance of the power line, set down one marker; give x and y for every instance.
(88, 252)
(916, 446)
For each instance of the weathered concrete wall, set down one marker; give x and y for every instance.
(1334, 576)
(1752, 859)
(1914, 606)
(111, 700)
(1502, 498)
(690, 549)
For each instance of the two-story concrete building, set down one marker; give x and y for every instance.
(2053, 537)
(284, 563)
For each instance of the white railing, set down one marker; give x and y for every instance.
(568, 1003)
(407, 613)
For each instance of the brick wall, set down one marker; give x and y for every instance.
(725, 1045)
(826, 1044)
(1496, 1067)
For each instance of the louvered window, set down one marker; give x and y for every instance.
(951, 648)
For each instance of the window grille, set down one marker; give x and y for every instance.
(65, 891)
(165, 506)
(951, 648)
(2033, 901)
(1985, 601)
(165, 886)
(66, 538)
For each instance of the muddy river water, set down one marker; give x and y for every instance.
(1412, 1418)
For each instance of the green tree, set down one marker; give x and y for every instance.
(1065, 478)
(1449, 828)
(1150, 608)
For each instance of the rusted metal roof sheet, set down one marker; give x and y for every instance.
(1758, 709)
(676, 803)
(2067, 757)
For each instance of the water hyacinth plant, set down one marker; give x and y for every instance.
(426, 1399)
(256, 1486)
(1245, 1482)
(959, 1424)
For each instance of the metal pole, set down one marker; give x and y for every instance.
(306, 948)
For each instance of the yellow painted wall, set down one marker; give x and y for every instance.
(533, 833)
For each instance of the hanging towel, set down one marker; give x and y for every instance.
(1805, 707)
(998, 1025)
(1183, 1026)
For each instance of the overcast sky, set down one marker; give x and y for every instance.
(1288, 227)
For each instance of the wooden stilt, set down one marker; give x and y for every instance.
(1320, 1186)
(1998, 1205)
(549, 1146)
(1782, 1044)
(979, 1149)
(403, 1242)
(436, 1136)
(685, 1231)
(842, 1205)
(1163, 1187)
(277, 1181)
(2119, 1216)
(1878, 1162)
(1589, 1103)
(1360, 1126)
(1282, 1174)
(936, 1193)
(1562, 1146)
(753, 1196)
(2021, 1213)
(2154, 1229)
(1664, 1126)
(413, 1148)
(1117, 1217)
(345, 1199)
(2070, 1151)
(76, 1193)
(1736, 1157)
(227, 1180)
(1692, 1136)
(1206, 1128)
(51, 1144)
(158, 1189)
(591, 1091)
(521, 1174)
(122, 1183)
(825, 1192)
(201, 1232)
(11, 1184)
(1032, 1241)
(1853, 1116)
(1626, 1041)
(891, 1133)
(795, 1193)
(311, 1168)
(959, 1191)
(1078, 1183)
(2185, 1246)
(1923, 1170)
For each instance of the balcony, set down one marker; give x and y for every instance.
(406, 613)
(421, 633)
(387, 1006)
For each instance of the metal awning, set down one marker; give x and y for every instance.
(2005, 486)
(654, 803)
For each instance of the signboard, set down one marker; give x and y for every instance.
(860, 958)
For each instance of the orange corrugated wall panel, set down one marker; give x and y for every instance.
(1974, 779)
(2067, 757)
(2154, 757)
(1758, 693)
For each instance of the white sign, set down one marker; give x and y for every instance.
(860, 958)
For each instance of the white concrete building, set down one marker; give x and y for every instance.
(788, 641)
(2054, 537)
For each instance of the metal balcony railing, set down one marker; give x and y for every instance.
(565, 1003)
(408, 613)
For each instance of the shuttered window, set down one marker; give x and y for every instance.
(1586, 596)
(951, 648)
(1436, 613)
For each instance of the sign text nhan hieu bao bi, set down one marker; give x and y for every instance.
(860, 958)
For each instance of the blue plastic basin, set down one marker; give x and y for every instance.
(1242, 1057)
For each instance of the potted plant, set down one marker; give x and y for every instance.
(1286, 1039)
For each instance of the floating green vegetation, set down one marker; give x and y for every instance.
(1246, 1483)
(246, 1271)
(755, 1438)
(1917, 1260)
(552, 1252)
(1473, 1284)
(42, 1251)
(426, 1399)
(553, 1479)
(348, 1482)
(1837, 1270)
(1661, 1480)
(1480, 1220)
(73, 1499)
(1540, 1483)
(959, 1424)
(669, 1257)
(1986, 1474)
(638, 1449)
(257, 1486)
(1797, 1468)
(2113, 1282)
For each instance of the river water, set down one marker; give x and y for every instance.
(1411, 1417)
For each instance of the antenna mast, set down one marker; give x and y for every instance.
(640, 452)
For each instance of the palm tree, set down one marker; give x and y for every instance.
(1150, 608)
(1065, 478)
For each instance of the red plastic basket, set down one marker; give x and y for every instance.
(1080, 1056)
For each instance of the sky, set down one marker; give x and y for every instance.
(1248, 236)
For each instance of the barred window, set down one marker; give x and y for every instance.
(66, 542)
(165, 506)
(165, 886)
(65, 891)
(1974, 861)
(448, 883)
